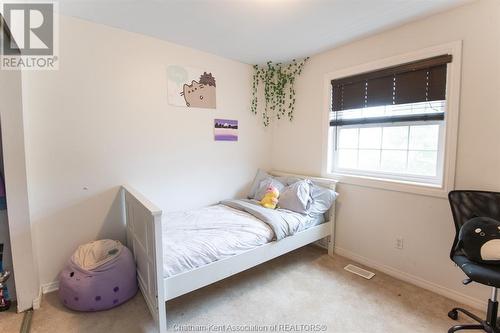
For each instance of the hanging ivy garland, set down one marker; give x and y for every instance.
(279, 92)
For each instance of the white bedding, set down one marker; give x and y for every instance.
(198, 237)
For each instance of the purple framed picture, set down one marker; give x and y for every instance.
(225, 130)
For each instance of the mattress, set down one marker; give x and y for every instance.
(195, 238)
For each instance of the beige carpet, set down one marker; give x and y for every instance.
(10, 321)
(303, 287)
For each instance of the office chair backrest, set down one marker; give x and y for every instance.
(466, 205)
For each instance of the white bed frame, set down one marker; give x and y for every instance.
(144, 238)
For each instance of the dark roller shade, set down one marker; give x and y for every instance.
(337, 98)
(353, 95)
(410, 87)
(437, 83)
(413, 82)
(380, 91)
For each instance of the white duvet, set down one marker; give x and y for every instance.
(198, 237)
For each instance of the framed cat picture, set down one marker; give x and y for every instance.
(191, 87)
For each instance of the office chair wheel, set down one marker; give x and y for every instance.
(453, 314)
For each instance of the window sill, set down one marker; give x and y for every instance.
(391, 184)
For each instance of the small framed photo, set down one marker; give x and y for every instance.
(225, 130)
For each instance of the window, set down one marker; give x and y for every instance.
(390, 123)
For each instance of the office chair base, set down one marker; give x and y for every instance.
(453, 314)
(470, 327)
(489, 325)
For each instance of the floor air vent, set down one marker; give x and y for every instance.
(359, 271)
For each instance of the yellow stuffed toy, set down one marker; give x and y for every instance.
(270, 199)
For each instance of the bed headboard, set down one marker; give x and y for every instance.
(325, 182)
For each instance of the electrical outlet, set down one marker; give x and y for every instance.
(399, 243)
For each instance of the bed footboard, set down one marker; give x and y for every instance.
(144, 239)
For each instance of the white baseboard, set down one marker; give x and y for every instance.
(50, 287)
(415, 280)
(44, 289)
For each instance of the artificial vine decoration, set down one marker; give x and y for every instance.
(279, 101)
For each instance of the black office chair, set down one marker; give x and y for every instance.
(464, 206)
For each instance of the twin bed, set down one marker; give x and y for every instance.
(179, 252)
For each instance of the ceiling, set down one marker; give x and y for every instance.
(255, 31)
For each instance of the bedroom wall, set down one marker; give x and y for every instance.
(369, 220)
(103, 120)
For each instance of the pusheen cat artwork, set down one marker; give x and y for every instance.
(191, 87)
(200, 94)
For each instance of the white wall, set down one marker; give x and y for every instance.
(370, 219)
(103, 120)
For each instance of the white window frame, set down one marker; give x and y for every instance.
(412, 184)
(429, 180)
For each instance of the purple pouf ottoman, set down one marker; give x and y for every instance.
(99, 276)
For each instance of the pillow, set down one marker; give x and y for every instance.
(265, 184)
(322, 199)
(297, 197)
(288, 180)
(260, 176)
